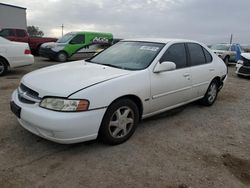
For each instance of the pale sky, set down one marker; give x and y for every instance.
(208, 21)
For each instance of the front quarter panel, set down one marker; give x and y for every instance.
(103, 94)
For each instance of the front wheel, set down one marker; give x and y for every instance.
(119, 122)
(61, 57)
(3, 67)
(211, 94)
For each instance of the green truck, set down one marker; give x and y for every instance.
(74, 43)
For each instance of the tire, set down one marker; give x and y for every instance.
(211, 94)
(61, 57)
(3, 67)
(119, 122)
(226, 60)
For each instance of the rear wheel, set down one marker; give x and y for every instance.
(61, 57)
(226, 60)
(119, 122)
(3, 67)
(211, 94)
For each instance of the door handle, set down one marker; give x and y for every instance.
(186, 75)
(212, 69)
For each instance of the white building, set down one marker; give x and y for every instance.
(12, 17)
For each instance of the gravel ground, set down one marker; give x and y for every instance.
(192, 146)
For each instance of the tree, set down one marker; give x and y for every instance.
(34, 31)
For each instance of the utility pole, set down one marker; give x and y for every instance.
(62, 28)
(231, 39)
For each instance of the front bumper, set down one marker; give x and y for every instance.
(242, 70)
(47, 52)
(60, 127)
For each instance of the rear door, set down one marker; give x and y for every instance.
(201, 67)
(173, 87)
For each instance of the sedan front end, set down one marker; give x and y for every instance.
(56, 119)
(243, 65)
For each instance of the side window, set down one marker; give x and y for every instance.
(78, 39)
(177, 54)
(196, 54)
(233, 48)
(207, 55)
(7, 33)
(20, 33)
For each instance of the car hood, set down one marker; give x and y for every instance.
(64, 79)
(246, 55)
(219, 51)
(52, 44)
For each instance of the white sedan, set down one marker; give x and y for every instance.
(107, 95)
(14, 54)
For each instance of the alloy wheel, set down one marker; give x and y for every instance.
(121, 122)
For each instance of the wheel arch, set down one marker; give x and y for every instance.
(133, 98)
(217, 79)
(63, 51)
(5, 60)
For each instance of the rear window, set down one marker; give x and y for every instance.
(20, 33)
(196, 54)
(207, 55)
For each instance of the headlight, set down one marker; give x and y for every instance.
(240, 62)
(65, 105)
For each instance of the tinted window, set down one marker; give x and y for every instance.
(7, 33)
(177, 54)
(196, 54)
(208, 56)
(79, 39)
(233, 48)
(20, 33)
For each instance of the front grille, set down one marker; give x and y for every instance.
(29, 91)
(246, 62)
(27, 95)
(244, 70)
(23, 100)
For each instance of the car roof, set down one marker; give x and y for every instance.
(160, 40)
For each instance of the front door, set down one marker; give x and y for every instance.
(173, 87)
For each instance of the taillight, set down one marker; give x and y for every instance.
(27, 51)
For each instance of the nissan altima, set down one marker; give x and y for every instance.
(13, 55)
(106, 96)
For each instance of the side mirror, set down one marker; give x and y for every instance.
(164, 66)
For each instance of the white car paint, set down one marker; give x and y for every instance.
(240, 64)
(13, 53)
(101, 85)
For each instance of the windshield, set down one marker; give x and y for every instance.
(129, 55)
(66, 38)
(223, 47)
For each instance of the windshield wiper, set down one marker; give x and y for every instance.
(110, 65)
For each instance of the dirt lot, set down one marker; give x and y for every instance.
(193, 146)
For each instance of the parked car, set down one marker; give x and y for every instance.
(75, 43)
(14, 54)
(227, 52)
(107, 95)
(243, 65)
(21, 35)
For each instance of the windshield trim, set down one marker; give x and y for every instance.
(69, 39)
